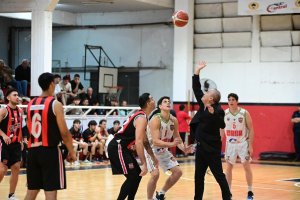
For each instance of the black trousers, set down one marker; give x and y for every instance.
(213, 161)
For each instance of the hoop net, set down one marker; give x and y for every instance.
(114, 92)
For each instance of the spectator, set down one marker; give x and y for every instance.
(96, 111)
(75, 111)
(183, 119)
(66, 90)
(85, 102)
(102, 136)
(57, 91)
(77, 87)
(116, 127)
(123, 112)
(78, 142)
(91, 138)
(2, 100)
(90, 96)
(22, 76)
(6, 74)
(296, 129)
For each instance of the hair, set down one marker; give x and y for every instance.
(45, 80)
(216, 95)
(57, 76)
(65, 78)
(116, 122)
(181, 107)
(143, 100)
(159, 102)
(102, 120)
(10, 91)
(76, 75)
(92, 122)
(76, 121)
(76, 98)
(233, 95)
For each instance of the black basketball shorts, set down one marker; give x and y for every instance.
(45, 169)
(10, 154)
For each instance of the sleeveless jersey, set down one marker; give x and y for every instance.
(11, 125)
(42, 125)
(236, 130)
(166, 132)
(127, 133)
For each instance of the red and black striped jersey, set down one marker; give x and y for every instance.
(11, 125)
(127, 133)
(41, 120)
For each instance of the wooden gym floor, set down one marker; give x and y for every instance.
(272, 180)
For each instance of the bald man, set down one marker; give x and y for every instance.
(205, 128)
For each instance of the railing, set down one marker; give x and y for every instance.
(85, 118)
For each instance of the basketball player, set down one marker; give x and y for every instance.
(162, 128)
(47, 127)
(10, 140)
(239, 139)
(119, 149)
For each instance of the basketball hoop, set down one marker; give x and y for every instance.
(113, 93)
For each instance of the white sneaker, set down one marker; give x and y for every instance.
(13, 197)
(87, 162)
(76, 164)
(67, 164)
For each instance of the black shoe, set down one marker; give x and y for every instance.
(250, 195)
(160, 196)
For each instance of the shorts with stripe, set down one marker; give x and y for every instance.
(234, 150)
(10, 154)
(45, 169)
(122, 159)
(165, 158)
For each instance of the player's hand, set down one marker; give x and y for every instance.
(144, 169)
(6, 139)
(210, 109)
(176, 141)
(200, 66)
(72, 156)
(189, 149)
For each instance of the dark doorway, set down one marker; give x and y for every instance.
(130, 83)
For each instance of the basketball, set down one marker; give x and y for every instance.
(180, 18)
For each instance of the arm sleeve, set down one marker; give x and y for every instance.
(197, 90)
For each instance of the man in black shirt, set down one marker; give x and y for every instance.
(77, 87)
(296, 129)
(78, 142)
(90, 137)
(22, 75)
(116, 127)
(205, 128)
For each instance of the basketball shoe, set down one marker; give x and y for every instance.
(160, 196)
(250, 195)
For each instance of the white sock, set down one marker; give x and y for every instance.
(162, 192)
(249, 188)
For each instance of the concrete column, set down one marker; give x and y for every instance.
(183, 54)
(41, 47)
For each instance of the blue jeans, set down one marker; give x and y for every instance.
(23, 87)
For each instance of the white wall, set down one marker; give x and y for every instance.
(125, 45)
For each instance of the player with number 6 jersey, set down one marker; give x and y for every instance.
(47, 127)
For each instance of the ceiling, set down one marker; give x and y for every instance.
(95, 6)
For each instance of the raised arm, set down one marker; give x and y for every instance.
(196, 82)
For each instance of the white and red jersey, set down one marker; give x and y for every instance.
(166, 132)
(236, 130)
